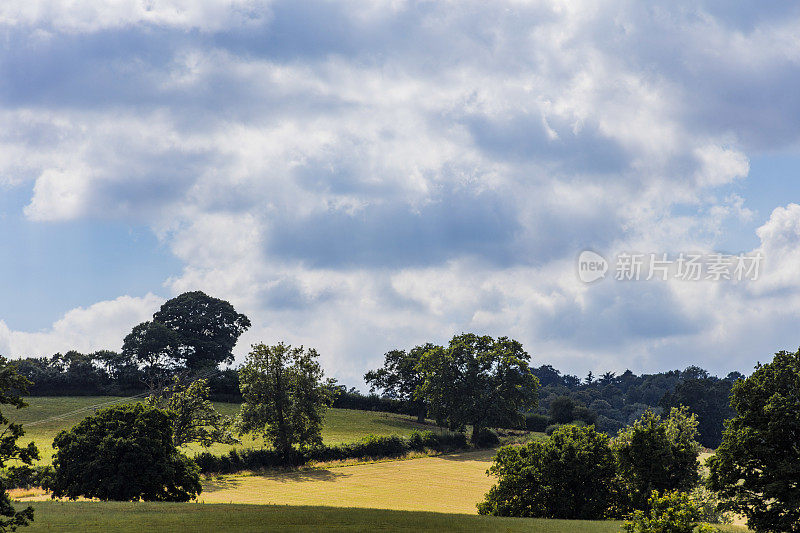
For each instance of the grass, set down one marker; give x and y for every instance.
(97, 517)
(341, 425)
(447, 483)
(91, 517)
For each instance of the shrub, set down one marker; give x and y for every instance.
(674, 512)
(486, 438)
(123, 453)
(569, 475)
(551, 428)
(536, 422)
(426, 439)
(656, 455)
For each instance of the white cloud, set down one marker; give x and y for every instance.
(358, 176)
(99, 326)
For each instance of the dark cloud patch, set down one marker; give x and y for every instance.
(617, 312)
(523, 137)
(393, 234)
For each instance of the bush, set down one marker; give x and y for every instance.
(486, 438)
(569, 475)
(426, 439)
(25, 477)
(674, 512)
(123, 453)
(536, 422)
(369, 447)
(656, 455)
(551, 428)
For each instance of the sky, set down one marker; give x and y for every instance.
(358, 176)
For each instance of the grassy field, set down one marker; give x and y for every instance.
(448, 483)
(341, 425)
(95, 517)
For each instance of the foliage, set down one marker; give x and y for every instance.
(371, 446)
(656, 455)
(207, 328)
(708, 503)
(11, 384)
(194, 418)
(400, 377)
(672, 512)
(707, 398)
(123, 453)
(487, 438)
(570, 475)
(536, 422)
(562, 409)
(478, 381)
(155, 349)
(284, 396)
(757, 467)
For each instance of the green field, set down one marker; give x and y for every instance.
(94, 517)
(341, 425)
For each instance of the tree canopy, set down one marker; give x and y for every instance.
(124, 452)
(11, 384)
(656, 454)
(285, 397)
(757, 467)
(400, 377)
(477, 381)
(207, 328)
(193, 416)
(569, 475)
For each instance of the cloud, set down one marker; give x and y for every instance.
(99, 326)
(360, 176)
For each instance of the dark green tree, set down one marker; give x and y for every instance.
(400, 378)
(11, 384)
(194, 418)
(155, 350)
(207, 328)
(562, 410)
(656, 455)
(479, 381)
(123, 453)
(707, 398)
(284, 395)
(569, 475)
(757, 467)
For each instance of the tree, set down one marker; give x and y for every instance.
(207, 328)
(284, 396)
(707, 398)
(672, 512)
(194, 418)
(570, 475)
(155, 349)
(757, 467)
(123, 453)
(479, 381)
(562, 410)
(657, 455)
(400, 378)
(11, 384)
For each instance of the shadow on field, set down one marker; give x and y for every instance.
(481, 455)
(313, 474)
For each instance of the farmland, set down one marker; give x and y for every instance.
(45, 416)
(419, 494)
